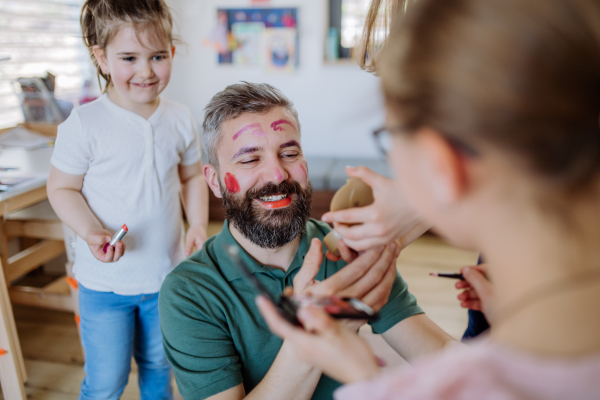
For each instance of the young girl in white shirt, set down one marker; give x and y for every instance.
(129, 158)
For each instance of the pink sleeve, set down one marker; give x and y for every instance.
(445, 377)
(376, 389)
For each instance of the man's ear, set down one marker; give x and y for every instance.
(446, 168)
(100, 56)
(212, 178)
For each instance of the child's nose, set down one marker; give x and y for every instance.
(145, 71)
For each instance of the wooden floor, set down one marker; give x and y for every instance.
(54, 358)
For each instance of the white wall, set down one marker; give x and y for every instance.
(339, 105)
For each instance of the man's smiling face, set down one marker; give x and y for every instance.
(263, 177)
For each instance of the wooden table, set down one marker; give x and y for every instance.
(33, 163)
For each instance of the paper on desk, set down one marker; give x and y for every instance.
(25, 138)
(10, 183)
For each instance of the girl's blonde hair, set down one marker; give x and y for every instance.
(101, 20)
(380, 16)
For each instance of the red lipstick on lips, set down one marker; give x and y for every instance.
(278, 203)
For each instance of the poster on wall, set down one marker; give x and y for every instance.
(248, 37)
(262, 37)
(280, 50)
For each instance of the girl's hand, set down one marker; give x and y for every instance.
(195, 237)
(338, 351)
(478, 290)
(97, 240)
(346, 253)
(387, 219)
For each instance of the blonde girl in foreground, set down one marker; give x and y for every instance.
(493, 111)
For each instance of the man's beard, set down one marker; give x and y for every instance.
(269, 228)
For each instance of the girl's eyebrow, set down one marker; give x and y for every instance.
(134, 53)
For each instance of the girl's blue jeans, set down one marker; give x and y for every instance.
(113, 328)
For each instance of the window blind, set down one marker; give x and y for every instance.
(39, 36)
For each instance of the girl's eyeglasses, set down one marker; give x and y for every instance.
(383, 141)
(383, 138)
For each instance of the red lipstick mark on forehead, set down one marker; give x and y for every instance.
(276, 127)
(231, 183)
(254, 127)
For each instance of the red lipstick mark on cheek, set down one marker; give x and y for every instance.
(231, 183)
(276, 127)
(304, 170)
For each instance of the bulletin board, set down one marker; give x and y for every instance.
(265, 37)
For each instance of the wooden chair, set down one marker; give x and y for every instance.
(40, 228)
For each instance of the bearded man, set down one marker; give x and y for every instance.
(214, 336)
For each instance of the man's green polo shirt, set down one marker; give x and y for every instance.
(215, 337)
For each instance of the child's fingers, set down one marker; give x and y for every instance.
(468, 295)
(119, 251)
(397, 248)
(315, 319)
(98, 240)
(108, 256)
(189, 245)
(346, 252)
(347, 216)
(481, 285)
(472, 305)
(332, 257)
(462, 285)
(482, 268)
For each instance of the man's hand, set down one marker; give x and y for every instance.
(310, 268)
(195, 238)
(387, 219)
(97, 240)
(368, 277)
(330, 346)
(478, 290)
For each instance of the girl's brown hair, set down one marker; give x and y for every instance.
(101, 19)
(520, 75)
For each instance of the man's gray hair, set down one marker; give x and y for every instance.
(234, 101)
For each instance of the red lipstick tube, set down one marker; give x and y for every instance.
(118, 236)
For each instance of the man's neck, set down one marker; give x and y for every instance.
(280, 257)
